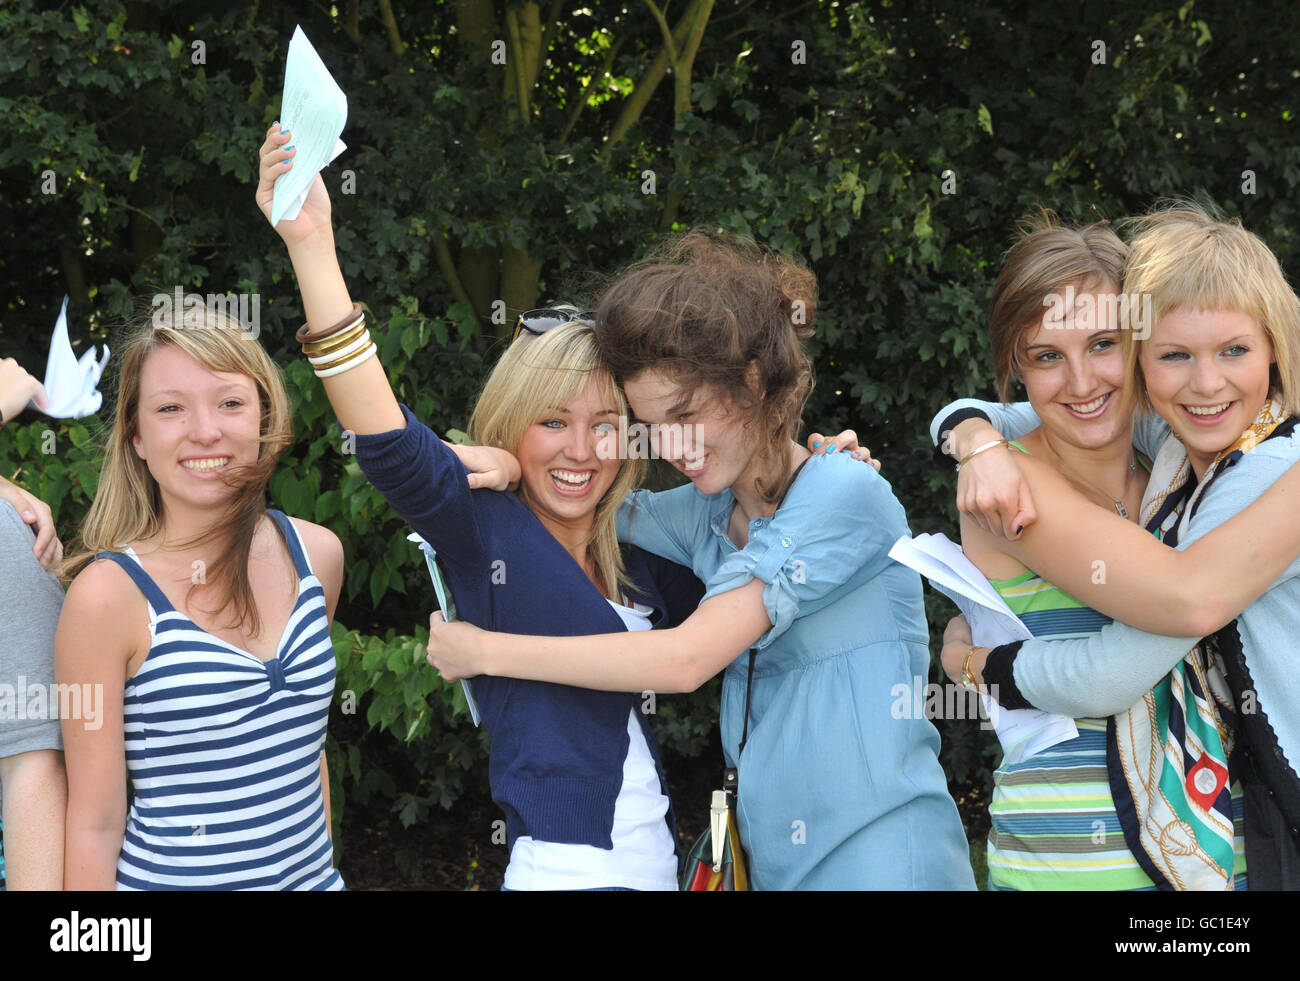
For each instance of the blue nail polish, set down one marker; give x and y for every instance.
(817, 444)
(289, 147)
(831, 450)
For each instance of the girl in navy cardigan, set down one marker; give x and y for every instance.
(576, 772)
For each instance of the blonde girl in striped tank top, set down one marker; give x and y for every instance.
(207, 634)
(1055, 323)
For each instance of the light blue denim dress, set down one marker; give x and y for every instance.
(840, 783)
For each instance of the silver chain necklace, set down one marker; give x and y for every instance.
(1120, 509)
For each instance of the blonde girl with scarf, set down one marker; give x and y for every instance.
(1220, 367)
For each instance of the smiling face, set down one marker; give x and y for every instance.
(569, 458)
(701, 434)
(194, 427)
(1073, 370)
(1207, 374)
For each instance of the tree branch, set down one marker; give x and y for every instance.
(698, 14)
(591, 84)
(735, 13)
(530, 40)
(743, 30)
(352, 24)
(442, 254)
(548, 34)
(390, 24)
(515, 70)
(682, 67)
(664, 29)
(641, 94)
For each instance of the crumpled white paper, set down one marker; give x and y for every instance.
(72, 384)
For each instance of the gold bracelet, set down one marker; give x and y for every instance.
(350, 356)
(980, 449)
(357, 345)
(967, 676)
(337, 342)
(351, 363)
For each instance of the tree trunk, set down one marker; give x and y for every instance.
(478, 276)
(520, 272)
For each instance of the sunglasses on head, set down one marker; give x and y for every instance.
(540, 321)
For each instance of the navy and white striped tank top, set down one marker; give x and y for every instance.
(224, 749)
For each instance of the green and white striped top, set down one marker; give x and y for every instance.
(1054, 824)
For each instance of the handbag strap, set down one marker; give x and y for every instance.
(730, 778)
(749, 687)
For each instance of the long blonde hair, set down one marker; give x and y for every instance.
(1186, 255)
(536, 375)
(128, 505)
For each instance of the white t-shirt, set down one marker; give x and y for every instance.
(643, 856)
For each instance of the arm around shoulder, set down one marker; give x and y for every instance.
(676, 660)
(1118, 568)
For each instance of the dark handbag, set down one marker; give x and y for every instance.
(716, 862)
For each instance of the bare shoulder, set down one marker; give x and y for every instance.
(322, 545)
(105, 585)
(103, 602)
(325, 555)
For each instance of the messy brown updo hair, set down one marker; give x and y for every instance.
(718, 310)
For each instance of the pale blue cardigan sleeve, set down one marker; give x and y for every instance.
(1019, 418)
(1108, 672)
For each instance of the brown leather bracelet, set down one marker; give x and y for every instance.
(304, 335)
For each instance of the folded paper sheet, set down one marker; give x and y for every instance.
(1022, 732)
(448, 607)
(70, 383)
(313, 109)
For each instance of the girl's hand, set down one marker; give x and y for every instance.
(17, 388)
(313, 221)
(957, 643)
(454, 648)
(48, 549)
(490, 468)
(845, 442)
(992, 491)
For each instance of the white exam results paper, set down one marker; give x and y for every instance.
(313, 109)
(70, 383)
(448, 607)
(1022, 732)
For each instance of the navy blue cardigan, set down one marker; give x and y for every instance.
(557, 752)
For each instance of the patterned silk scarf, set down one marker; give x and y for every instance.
(1170, 757)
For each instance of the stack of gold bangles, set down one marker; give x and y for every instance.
(341, 347)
